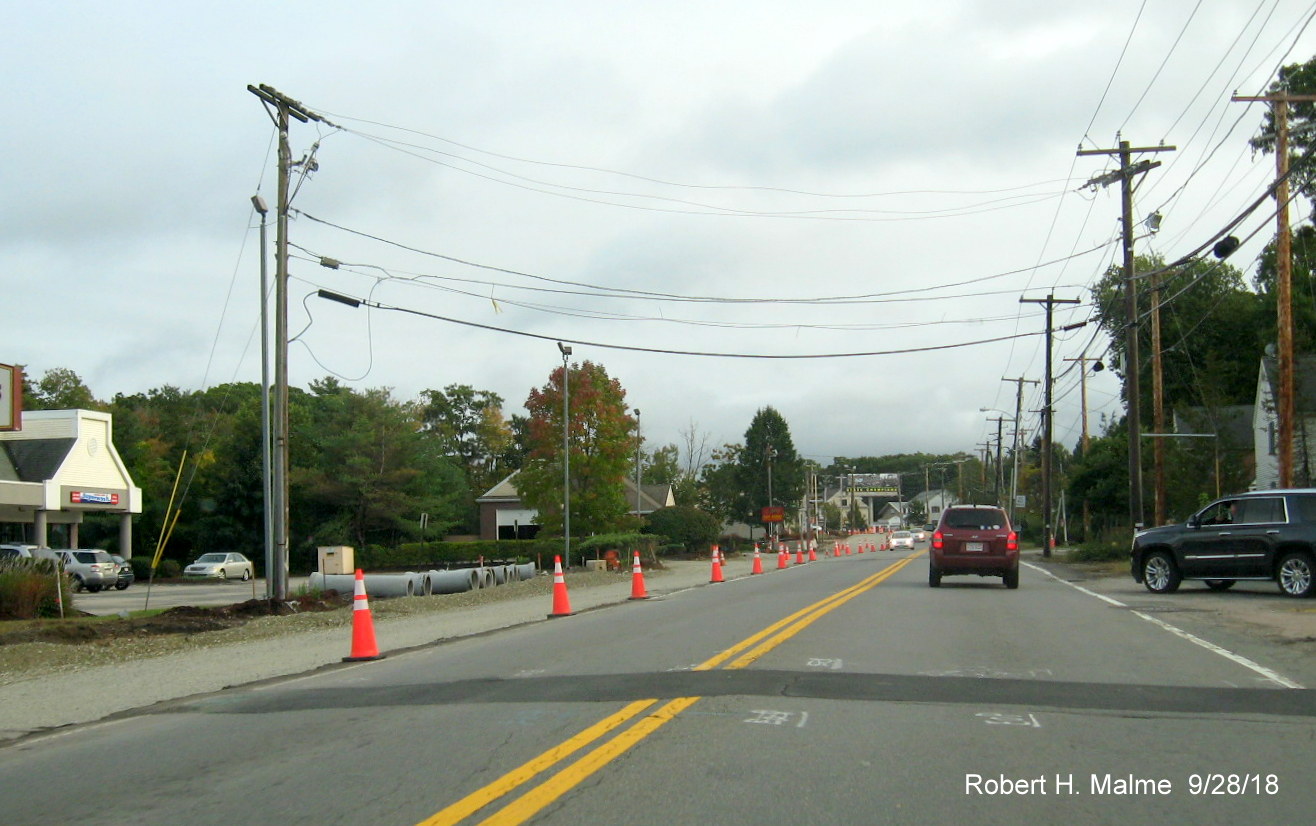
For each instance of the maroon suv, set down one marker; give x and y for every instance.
(974, 539)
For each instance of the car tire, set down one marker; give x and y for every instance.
(121, 586)
(1296, 575)
(934, 577)
(77, 585)
(223, 574)
(1220, 584)
(1011, 579)
(246, 575)
(95, 589)
(1160, 574)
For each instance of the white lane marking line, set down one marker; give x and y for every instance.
(1273, 676)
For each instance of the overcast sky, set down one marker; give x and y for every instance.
(579, 171)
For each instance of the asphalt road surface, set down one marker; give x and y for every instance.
(137, 596)
(844, 691)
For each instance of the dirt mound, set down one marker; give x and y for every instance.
(181, 620)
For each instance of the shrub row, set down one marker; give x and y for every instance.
(28, 589)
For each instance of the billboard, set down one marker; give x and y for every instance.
(11, 397)
(881, 483)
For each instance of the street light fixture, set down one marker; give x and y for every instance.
(566, 458)
(266, 467)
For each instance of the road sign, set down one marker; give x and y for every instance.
(774, 513)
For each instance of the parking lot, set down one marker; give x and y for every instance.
(170, 595)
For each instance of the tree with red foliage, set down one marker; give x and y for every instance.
(601, 440)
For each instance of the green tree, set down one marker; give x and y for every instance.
(601, 443)
(1209, 332)
(767, 444)
(1295, 79)
(367, 471)
(59, 388)
(662, 467)
(719, 488)
(470, 429)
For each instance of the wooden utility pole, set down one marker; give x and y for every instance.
(1018, 431)
(282, 108)
(1284, 402)
(1050, 301)
(1133, 388)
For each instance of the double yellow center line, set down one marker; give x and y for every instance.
(744, 653)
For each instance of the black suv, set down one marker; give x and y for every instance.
(1259, 535)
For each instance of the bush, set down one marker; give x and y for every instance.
(28, 591)
(1100, 551)
(693, 528)
(169, 569)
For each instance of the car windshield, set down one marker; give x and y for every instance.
(210, 558)
(901, 534)
(978, 519)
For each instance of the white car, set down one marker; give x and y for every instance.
(902, 539)
(221, 566)
(919, 534)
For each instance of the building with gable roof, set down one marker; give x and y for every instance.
(59, 467)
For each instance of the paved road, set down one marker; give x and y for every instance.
(136, 597)
(844, 691)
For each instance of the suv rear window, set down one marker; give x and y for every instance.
(974, 518)
(1262, 510)
(92, 556)
(1306, 506)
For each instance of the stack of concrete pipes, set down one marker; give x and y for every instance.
(425, 583)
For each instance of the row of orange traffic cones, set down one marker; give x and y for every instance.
(364, 646)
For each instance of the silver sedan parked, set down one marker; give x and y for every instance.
(221, 566)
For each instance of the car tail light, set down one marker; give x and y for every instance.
(1012, 542)
(938, 541)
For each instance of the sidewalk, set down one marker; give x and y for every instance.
(94, 693)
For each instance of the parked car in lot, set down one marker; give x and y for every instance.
(974, 539)
(89, 568)
(1260, 535)
(125, 576)
(11, 550)
(902, 539)
(221, 566)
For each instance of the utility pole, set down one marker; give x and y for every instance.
(1050, 301)
(1000, 471)
(1133, 384)
(1283, 279)
(283, 107)
(1083, 400)
(1018, 430)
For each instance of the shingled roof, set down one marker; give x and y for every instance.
(35, 460)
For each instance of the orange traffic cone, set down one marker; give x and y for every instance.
(781, 558)
(799, 555)
(561, 603)
(717, 566)
(363, 627)
(637, 580)
(813, 553)
(758, 562)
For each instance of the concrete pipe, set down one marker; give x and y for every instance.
(454, 582)
(377, 585)
(500, 574)
(486, 578)
(525, 571)
(420, 583)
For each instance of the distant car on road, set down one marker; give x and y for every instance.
(902, 539)
(919, 534)
(974, 539)
(221, 566)
(1259, 535)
